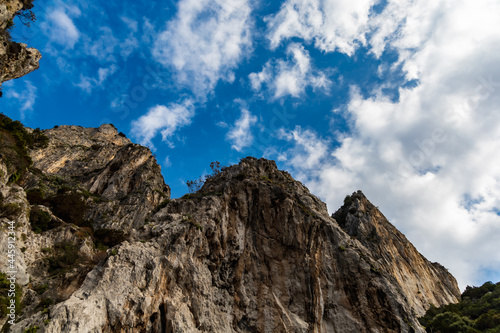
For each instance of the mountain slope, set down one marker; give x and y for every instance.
(423, 282)
(251, 251)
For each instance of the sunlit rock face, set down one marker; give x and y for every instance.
(123, 178)
(101, 247)
(252, 251)
(16, 59)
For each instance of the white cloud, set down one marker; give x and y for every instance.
(63, 65)
(148, 32)
(87, 83)
(309, 151)
(222, 124)
(129, 45)
(26, 98)
(205, 42)
(240, 135)
(332, 24)
(167, 163)
(104, 73)
(289, 77)
(165, 120)
(256, 79)
(60, 27)
(429, 160)
(130, 23)
(102, 48)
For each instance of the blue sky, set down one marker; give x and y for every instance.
(396, 98)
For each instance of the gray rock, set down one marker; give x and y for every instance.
(16, 59)
(252, 251)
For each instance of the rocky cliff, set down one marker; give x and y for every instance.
(101, 247)
(16, 59)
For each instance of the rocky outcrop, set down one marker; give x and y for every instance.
(252, 251)
(423, 282)
(123, 178)
(16, 59)
(73, 193)
(101, 247)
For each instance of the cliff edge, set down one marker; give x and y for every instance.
(16, 59)
(103, 248)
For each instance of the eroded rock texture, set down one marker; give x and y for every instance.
(123, 178)
(252, 251)
(16, 59)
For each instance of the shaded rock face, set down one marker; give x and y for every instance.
(100, 247)
(423, 282)
(252, 251)
(123, 178)
(16, 59)
(74, 197)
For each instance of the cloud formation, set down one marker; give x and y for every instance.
(333, 25)
(291, 76)
(309, 149)
(102, 47)
(60, 27)
(205, 42)
(240, 135)
(162, 119)
(26, 97)
(429, 159)
(87, 83)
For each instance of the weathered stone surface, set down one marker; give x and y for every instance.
(423, 282)
(124, 176)
(252, 251)
(16, 59)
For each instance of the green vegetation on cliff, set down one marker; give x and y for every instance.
(479, 311)
(13, 54)
(15, 141)
(5, 291)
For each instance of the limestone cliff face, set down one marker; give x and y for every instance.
(16, 59)
(252, 251)
(123, 176)
(423, 282)
(81, 192)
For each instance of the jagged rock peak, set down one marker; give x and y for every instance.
(252, 251)
(424, 282)
(124, 176)
(77, 135)
(250, 168)
(16, 59)
(356, 206)
(263, 175)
